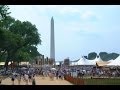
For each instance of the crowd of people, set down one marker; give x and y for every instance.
(92, 71)
(28, 74)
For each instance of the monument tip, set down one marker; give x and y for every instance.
(52, 17)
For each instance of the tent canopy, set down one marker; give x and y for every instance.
(3, 63)
(53, 68)
(115, 62)
(84, 61)
(24, 63)
(102, 63)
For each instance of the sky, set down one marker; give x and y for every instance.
(78, 29)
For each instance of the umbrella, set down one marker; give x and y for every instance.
(23, 68)
(53, 68)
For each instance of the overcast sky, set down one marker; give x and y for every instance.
(79, 29)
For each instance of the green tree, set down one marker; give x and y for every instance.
(29, 36)
(111, 56)
(103, 55)
(85, 57)
(18, 39)
(4, 12)
(114, 55)
(92, 55)
(3, 16)
(12, 41)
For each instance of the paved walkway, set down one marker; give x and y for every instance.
(39, 81)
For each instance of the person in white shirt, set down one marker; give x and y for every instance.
(26, 79)
(19, 79)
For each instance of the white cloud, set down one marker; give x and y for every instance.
(78, 27)
(60, 9)
(87, 15)
(90, 15)
(71, 10)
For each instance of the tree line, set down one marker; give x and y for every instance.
(18, 40)
(103, 55)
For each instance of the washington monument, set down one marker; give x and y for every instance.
(52, 43)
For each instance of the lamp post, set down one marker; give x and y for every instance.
(30, 60)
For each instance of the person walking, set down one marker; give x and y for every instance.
(57, 73)
(33, 80)
(50, 75)
(12, 79)
(0, 81)
(43, 74)
(29, 77)
(19, 79)
(26, 79)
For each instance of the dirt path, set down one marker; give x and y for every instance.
(39, 81)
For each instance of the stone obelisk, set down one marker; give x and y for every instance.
(52, 43)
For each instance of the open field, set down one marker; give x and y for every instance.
(102, 81)
(94, 81)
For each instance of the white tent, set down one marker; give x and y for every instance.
(93, 62)
(24, 63)
(23, 68)
(115, 62)
(72, 63)
(98, 59)
(53, 68)
(82, 61)
(90, 62)
(3, 63)
(110, 60)
(57, 63)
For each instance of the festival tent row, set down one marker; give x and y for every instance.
(97, 61)
(22, 63)
(93, 62)
(81, 61)
(109, 63)
(84, 61)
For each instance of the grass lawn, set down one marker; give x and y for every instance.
(105, 81)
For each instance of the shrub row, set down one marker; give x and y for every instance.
(75, 81)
